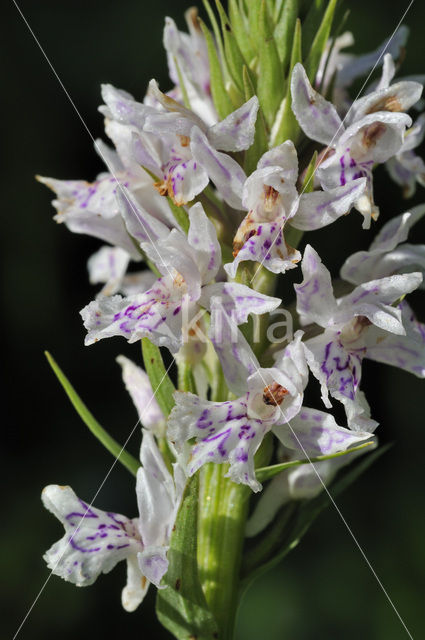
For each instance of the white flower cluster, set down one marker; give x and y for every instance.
(174, 194)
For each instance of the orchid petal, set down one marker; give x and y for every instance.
(320, 208)
(238, 300)
(315, 297)
(225, 173)
(223, 431)
(94, 540)
(108, 266)
(317, 117)
(202, 237)
(139, 387)
(236, 356)
(236, 132)
(155, 314)
(136, 587)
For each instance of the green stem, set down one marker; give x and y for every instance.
(223, 507)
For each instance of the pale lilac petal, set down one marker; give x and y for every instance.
(320, 208)
(136, 587)
(375, 137)
(358, 66)
(317, 117)
(94, 540)
(92, 208)
(156, 314)
(236, 132)
(172, 105)
(238, 300)
(388, 72)
(139, 387)
(122, 107)
(395, 98)
(292, 360)
(406, 352)
(153, 564)
(316, 433)
(315, 297)
(283, 156)
(174, 255)
(373, 299)
(223, 433)
(236, 356)
(137, 282)
(202, 237)
(267, 246)
(225, 173)
(383, 258)
(108, 266)
(338, 370)
(155, 498)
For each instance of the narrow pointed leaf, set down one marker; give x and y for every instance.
(129, 461)
(160, 381)
(284, 31)
(181, 607)
(260, 144)
(217, 35)
(308, 182)
(266, 473)
(254, 8)
(271, 81)
(296, 518)
(239, 29)
(287, 127)
(234, 58)
(221, 99)
(320, 41)
(312, 22)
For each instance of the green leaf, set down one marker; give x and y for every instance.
(261, 137)
(271, 81)
(181, 607)
(284, 31)
(160, 381)
(254, 8)
(311, 22)
(221, 99)
(217, 35)
(131, 463)
(179, 214)
(296, 518)
(265, 473)
(234, 58)
(237, 20)
(308, 183)
(320, 41)
(287, 126)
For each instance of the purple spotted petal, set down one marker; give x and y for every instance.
(94, 540)
(238, 301)
(317, 117)
(139, 387)
(320, 208)
(223, 433)
(156, 314)
(315, 297)
(225, 173)
(236, 132)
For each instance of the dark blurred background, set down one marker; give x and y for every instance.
(324, 588)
